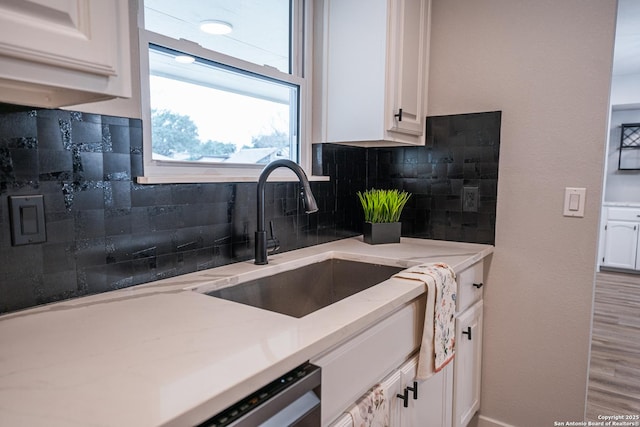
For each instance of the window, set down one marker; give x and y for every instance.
(226, 90)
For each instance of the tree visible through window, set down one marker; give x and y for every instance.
(176, 136)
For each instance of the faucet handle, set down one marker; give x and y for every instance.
(273, 244)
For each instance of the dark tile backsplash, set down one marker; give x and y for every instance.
(105, 232)
(461, 151)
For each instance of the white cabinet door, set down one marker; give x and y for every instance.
(620, 246)
(467, 365)
(393, 387)
(428, 406)
(427, 400)
(372, 63)
(408, 40)
(60, 52)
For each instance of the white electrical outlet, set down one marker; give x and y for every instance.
(470, 199)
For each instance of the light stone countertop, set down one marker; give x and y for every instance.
(161, 354)
(622, 204)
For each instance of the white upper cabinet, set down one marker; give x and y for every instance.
(407, 57)
(64, 52)
(371, 61)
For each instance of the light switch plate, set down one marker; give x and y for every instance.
(574, 199)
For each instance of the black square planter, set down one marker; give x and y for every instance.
(382, 232)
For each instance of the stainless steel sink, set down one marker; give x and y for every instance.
(306, 289)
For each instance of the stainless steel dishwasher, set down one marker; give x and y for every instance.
(290, 400)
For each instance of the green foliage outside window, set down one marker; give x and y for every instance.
(173, 134)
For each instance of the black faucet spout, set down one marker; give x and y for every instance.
(309, 201)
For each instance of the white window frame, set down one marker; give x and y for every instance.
(160, 172)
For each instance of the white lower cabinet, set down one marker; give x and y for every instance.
(621, 245)
(426, 401)
(383, 354)
(414, 403)
(467, 365)
(621, 234)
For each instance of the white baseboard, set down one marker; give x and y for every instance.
(484, 421)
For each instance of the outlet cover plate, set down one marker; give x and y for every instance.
(470, 199)
(27, 220)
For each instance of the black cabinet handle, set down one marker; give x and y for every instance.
(398, 115)
(467, 332)
(414, 389)
(404, 397)
(478, 285)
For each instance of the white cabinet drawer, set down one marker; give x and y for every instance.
(470, 286)
(623, 214)
(354, 367)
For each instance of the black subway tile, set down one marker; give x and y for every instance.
(113, 232)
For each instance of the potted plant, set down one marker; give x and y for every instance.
(382, 209)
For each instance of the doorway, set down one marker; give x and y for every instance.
(614, 371)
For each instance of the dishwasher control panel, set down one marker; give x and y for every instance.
(275, 400)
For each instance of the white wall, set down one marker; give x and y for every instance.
(547, 65)
(625, 90)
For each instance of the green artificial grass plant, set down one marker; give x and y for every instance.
(383, 205)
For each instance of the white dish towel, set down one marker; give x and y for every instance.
(438, 336)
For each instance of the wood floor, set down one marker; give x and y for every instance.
(614, 373)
